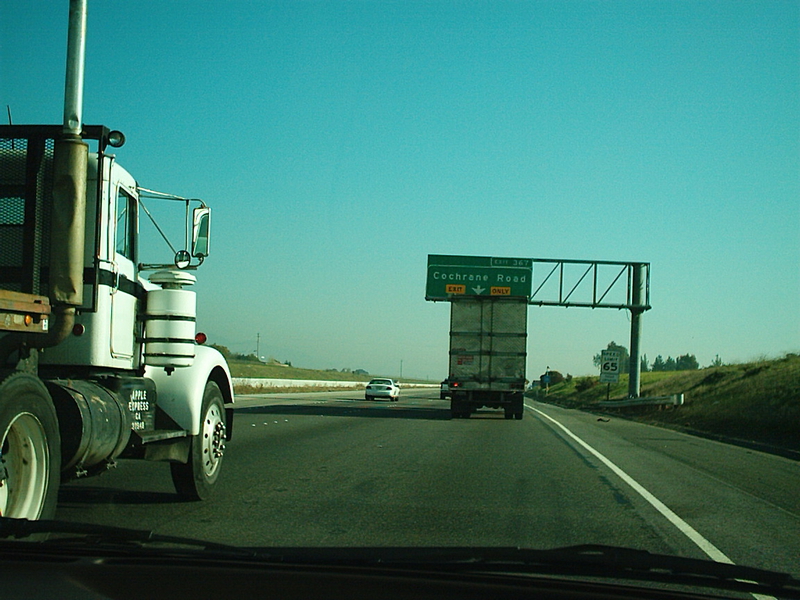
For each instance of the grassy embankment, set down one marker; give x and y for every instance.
(754, 402)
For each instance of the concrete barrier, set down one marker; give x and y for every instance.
(284, 383)
(306, 383)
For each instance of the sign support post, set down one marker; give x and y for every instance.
(637, 308)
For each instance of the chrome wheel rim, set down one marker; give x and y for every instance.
(24, 468)
(213, 440)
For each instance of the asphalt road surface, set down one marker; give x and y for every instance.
(330, 469)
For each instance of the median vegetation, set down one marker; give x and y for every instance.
(754, 402)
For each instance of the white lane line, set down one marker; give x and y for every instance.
(710, 549)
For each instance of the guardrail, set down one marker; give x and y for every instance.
(672, 400)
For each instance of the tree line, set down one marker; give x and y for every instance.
(685, 362)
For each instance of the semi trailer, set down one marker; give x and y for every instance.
(488, 341)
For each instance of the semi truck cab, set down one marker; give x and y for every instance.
(103, 343)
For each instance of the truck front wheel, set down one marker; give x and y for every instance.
(30, 449)
(195, 479)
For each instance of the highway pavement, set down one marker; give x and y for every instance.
(330, 469)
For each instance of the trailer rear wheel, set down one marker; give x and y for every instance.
(459, 409)
(518, 407)
(195, 479)
(30, 449)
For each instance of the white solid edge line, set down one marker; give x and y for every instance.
(710, 549)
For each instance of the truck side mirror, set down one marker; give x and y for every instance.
(201, 231)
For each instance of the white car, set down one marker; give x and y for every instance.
(382, 388)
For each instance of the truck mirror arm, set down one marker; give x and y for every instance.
(197, 231)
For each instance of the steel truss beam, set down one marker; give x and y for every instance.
(571, 274)
(569, 291)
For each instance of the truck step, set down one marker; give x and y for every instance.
(156, 435)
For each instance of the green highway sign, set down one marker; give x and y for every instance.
(450, 277)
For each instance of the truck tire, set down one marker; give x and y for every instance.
(459, 409)
(195, 479)
(30, 449)
(455, 412)
(519, 406)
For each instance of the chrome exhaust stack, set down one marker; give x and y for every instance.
(70, 158)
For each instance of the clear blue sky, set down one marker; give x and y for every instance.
(340, 143)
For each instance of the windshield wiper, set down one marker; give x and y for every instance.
(604, 557)
(91, 534)
(620, 562)
(601, 561)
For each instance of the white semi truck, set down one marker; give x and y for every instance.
(99, 355)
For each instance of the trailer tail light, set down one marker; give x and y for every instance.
(455, 384)
(201, 338)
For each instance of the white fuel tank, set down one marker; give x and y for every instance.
(169, 322)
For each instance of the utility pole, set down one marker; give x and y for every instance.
(258, 346)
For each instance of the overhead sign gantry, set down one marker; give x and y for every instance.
(563, 282)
